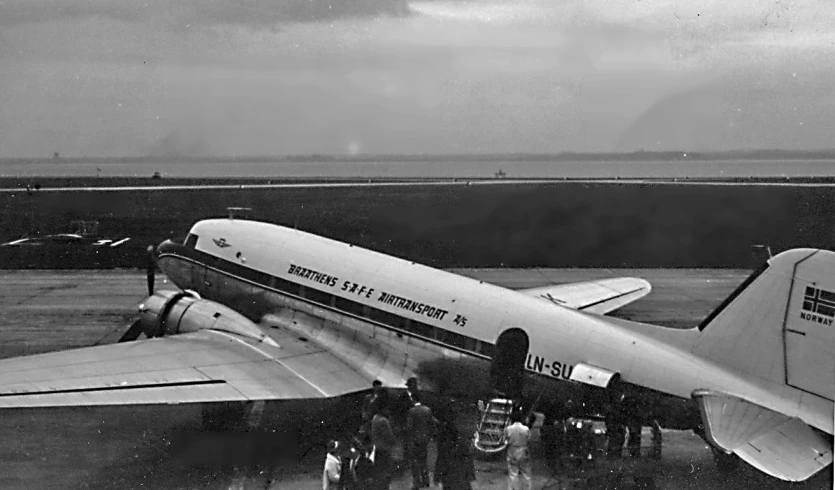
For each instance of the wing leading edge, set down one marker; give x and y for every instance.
(203, 366)
(600, 297)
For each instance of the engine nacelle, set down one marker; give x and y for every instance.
(174, 312)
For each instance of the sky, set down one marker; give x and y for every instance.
(258, 77)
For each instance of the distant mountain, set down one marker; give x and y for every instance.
(693, 120)
(673, 155)
(779, 111)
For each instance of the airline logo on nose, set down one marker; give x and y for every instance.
(221, 242)
(820, 305)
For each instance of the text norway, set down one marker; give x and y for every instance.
(811, 317)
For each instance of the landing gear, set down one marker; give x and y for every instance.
(615, 436)
(657, 440)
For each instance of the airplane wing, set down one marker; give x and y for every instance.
(780, 446)
(600, 297)
(201, 366)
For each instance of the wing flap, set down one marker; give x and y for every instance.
(204, 366)
(776, 444)
(600, 297)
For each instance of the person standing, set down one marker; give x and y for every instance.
(349, 455)
(382, 437)
(363, 465)
(420, 427)
(454, 469)
(405, 401)
(518, 457)
(333, 467)
(151, 269)
(378, 395)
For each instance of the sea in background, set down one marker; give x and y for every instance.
(426, 167)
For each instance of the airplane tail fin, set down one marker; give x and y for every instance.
(778, 324)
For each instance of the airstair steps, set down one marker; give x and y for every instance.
(495, 418)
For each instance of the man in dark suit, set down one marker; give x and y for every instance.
(420, 428)
(404, 402)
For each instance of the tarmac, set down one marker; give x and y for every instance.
(131, 447)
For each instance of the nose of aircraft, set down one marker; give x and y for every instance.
(170, 259)
(167, 247)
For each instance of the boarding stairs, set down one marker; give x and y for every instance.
(489, 437)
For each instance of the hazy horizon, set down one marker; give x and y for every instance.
(730, 155)
(110, 78)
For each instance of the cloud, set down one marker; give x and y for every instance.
(297, 76)
(257, 13)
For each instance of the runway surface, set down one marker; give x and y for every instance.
(130, 447)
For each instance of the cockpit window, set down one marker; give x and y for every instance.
(191, 240)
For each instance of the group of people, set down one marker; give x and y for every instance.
(367, 461)
(349, 466)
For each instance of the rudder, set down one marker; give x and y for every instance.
(778, 324)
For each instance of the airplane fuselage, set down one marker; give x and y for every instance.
(392, 312)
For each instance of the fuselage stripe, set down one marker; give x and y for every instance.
(390, 321)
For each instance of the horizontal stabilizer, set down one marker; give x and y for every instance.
(600, 297)
(780, 446)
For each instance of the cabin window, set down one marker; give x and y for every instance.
(456, 340)
(191, 240)
(384, 317)
(421, 329)
(317, 296)
(486, 349)
(286, 286)
(348, 306)
(262, 278)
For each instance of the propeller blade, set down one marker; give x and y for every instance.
(151, 268)
(132, 333)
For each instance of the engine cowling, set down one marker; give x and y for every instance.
(174, 312)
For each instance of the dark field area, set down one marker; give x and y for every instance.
(52, 182)
(513, 225)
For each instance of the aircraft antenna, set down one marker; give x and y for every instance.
(235, 209)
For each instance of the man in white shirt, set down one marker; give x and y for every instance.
(330, 475)
(518, 458)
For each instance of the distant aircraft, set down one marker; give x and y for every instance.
(82, 234)
(335, 316)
